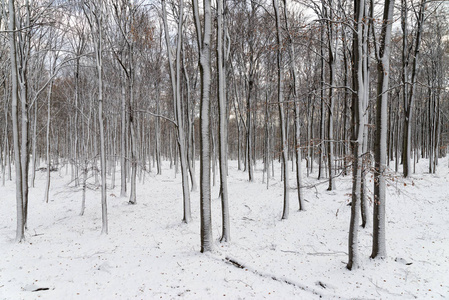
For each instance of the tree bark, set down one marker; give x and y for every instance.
(409, 96)
(295, 79)
(283, 124)
(15, 122)
(204, 40)
(47, 186)
(358, 120)
(380, 143)
(176, 87)
(223, 131)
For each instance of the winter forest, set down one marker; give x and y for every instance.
(260, 149)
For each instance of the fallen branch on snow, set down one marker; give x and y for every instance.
(327, 253)
(239, 265)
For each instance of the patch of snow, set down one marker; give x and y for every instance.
(150, 254)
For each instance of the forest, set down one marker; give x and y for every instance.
(243, 149)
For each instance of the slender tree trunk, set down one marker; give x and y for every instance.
(214, 149)
(322, 110)
(297, 147)
(15, 122)
(332, 66)
(158, 134)
(6, 153)
(409, 103)
(47, 186)
(76, 143)
(33, 170)
(190, 135)
(363, 182)
(97, 26)
(104, 229)
(223, 131)
(180, 120)
(365, 152)
(239, 162)
(204, 40)
(132, 124)
(83, 201)
(267, 140)
(380, 144)
(25, 46)
(249, 131)
(358, 119)
(283, 124)
(133, 127)
(176, 87)
(123, 117)
(345, 110)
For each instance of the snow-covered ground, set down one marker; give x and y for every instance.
(150, 254)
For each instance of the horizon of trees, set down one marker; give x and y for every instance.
(337, 88)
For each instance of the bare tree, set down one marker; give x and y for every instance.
(380, 143)
(222, 53)
(409, 87)
(282, 118)
(295, 79)
(15, 123)
(95, 13)
(175, 75)
(359, 105)
(204, 43)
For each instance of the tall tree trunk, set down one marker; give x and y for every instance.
(96, 21)
(158, 133)
(358, 120)
(249, 131)
(25, 46)
(223, 131)
(176, 87)
(365, 159)
(295, 79)
(380, 144)
(345, 151)
(76, 143)
(204, 40)
(283, 124)
(104, 217)
(332, 53)
(409, 97)
(123, 117)
(15, 122)
(33, 170)
(322, 110)
(6, 151)
(180, 121)
(191, 133)
(267, 140)
(47, 186)
(132, 124)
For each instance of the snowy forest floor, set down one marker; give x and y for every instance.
(150, 254)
